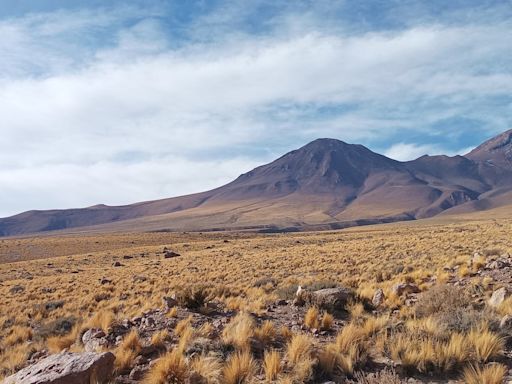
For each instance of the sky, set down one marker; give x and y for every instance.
(117, 102)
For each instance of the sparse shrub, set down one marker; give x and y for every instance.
(59, 327)
(441, 299)
(192, 297)
(287, 293)
(383, 377)
(240, 368)
(265, 281)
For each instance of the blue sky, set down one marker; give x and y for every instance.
(116, 102)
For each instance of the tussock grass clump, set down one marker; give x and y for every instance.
(266, 333)
(170, 368)
(19, 334)
(327, 321)
(206, 369)
(193, 297)
(485, 344)
(489, 374)
(240, 368)
(272, 365)
(311, 318)
(102, 319)
(239, 331)
(127, 351)
(159, 338)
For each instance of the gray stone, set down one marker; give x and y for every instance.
(405, 288)
(378, 298)
(498, 297)
(329, 299)
(67, 368)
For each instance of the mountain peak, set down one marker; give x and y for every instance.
(496, 151)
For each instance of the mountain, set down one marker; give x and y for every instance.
(496, 151)
(325, 184)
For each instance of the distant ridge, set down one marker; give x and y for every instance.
(325, 184)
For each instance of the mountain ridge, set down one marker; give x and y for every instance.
(325, 182)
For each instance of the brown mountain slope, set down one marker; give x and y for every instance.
(325, 183)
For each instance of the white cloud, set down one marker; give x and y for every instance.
(202, 105)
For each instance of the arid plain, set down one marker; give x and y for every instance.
(419, 305)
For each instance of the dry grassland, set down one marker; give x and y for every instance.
(61, 286)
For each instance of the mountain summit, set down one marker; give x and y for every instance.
(325, 184)
(496, 151)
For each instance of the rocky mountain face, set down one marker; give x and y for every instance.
(325, 183)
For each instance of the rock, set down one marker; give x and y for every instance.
(104, 281)
(94, 339)
(169, 302)
(498, 297)
(497, 264)
(117, 264)
(138, 373)
(67, 368)
(506, 322)
(17, 289)
(53, 305)
(127, 257)
(281, 302)
(329, 299)
(171, 254)
(378, 298)
(47, 290)
(139, 278)
(405, 288)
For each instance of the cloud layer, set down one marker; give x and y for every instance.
(112, 106)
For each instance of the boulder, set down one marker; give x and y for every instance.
(67, 368)
(378, 298)
(405, 288)
(498, 297)
(497, 264)
(94, 339)
(171, 254)
(17, 289)
(330, 299)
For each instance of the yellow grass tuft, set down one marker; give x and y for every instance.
(485, 344)
(299, 348)
(170, 368)
(239, 331)
(327, 321)
(311, 318)
(207, 368)
(272, 365)
(240, 368)
(489, 374)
